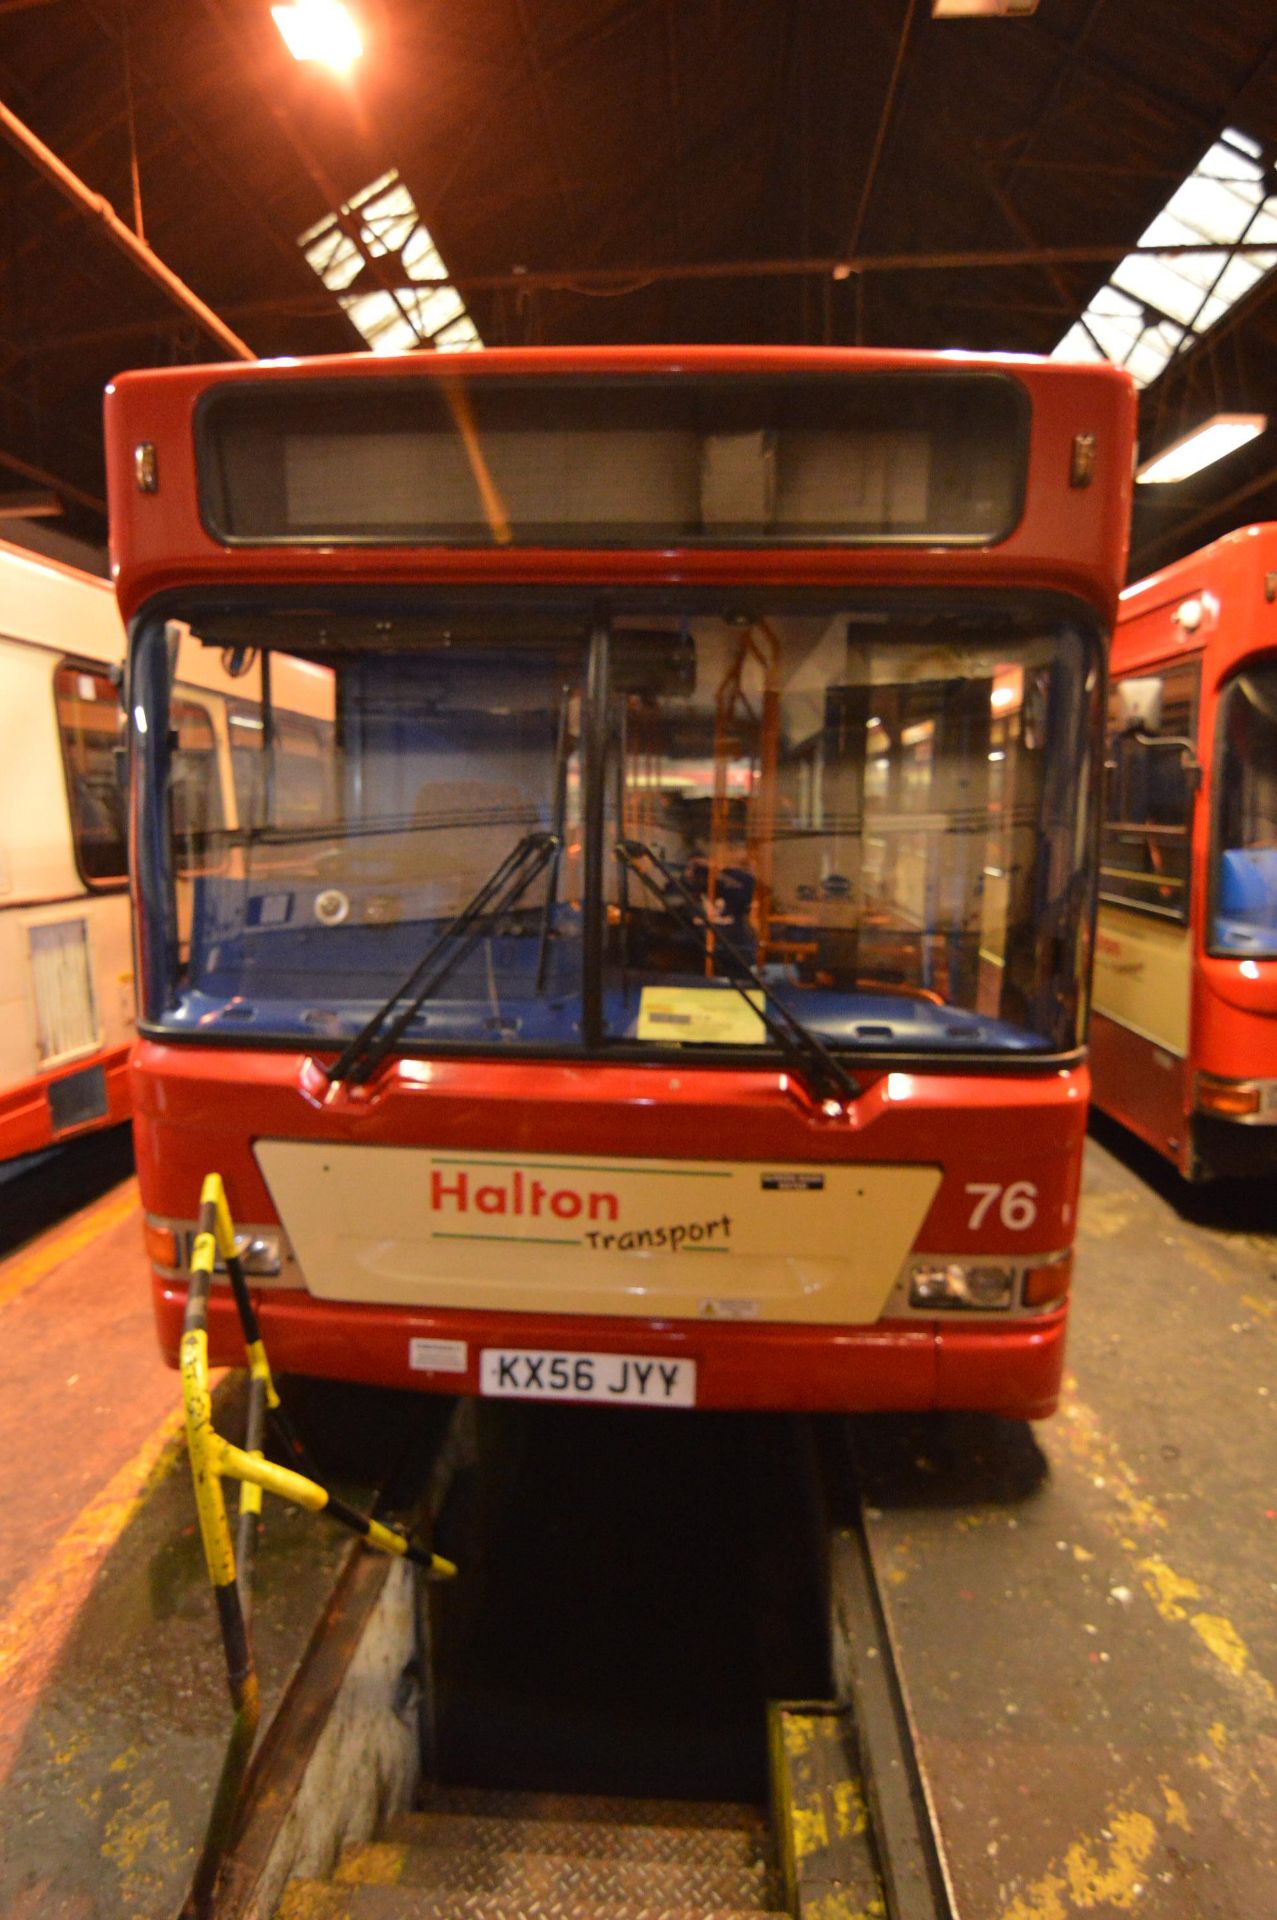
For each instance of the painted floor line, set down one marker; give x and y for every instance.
(26, 1270)
(35, 1625)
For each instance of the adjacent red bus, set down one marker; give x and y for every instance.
(665, 982)
(1184, 1036)
(66, 971)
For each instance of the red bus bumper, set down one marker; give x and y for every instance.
(26, 1119)
(894, 1366)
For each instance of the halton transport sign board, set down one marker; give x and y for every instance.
(556, 1233)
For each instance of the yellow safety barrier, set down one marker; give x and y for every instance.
(214, 1459)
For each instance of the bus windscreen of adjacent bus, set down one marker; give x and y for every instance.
(1245, 815)
(883, 810)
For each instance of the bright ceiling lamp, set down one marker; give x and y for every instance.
(1223, 433)
(320, 30)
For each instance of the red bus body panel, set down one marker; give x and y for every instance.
(893, 1366)
(200, 1108)
(1069, 539)
(189, 1118)
(1232, 1015)
(26, 1121)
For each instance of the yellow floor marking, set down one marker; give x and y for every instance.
(851, 1816)
(798, 1730)
(40, 1615)
(1224, 1641)
(1268, 1308)
(840, 1905)
(1109, 1873)
(807, 1825)
(1092, 1448)
(1176, 1811)
(1139, 1513)
(95, 1220)
(1217, 1734)
(1167, 1588)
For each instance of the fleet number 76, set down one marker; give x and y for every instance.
(1017, 1204)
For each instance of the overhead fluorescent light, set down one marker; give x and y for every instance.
(972, 9)
(320, 30)
(1222, 434)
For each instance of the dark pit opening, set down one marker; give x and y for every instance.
(644, 1584)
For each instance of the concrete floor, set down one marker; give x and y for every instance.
(113, 1703)
(1086, 1609)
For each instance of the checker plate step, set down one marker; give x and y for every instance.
(322, 1900)
(475, 1855)
(554, 1879)
(591, 1839)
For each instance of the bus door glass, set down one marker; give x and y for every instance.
(1244, 837)
(1145, 860)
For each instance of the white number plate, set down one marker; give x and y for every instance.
(616, 1379)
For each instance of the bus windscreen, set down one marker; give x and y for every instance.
(492, 461)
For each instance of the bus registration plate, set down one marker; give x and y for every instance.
(615, 1379)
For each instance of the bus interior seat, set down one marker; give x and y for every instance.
(1248, 884)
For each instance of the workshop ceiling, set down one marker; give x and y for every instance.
(628, 170)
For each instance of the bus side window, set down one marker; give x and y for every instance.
(91, 728)
(194, 788)
(1145, 858)
(301, 797)
(303, 750)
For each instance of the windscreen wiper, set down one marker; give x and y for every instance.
(809, 1055)
(499, 892)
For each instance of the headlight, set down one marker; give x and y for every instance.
(260, 1255)
(955, 1284)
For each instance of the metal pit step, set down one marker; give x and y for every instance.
(468, 1855)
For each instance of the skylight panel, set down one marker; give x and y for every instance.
(1173, 290)
(381, 222)
(1151, 307)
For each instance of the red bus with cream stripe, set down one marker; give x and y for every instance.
(665, 983)
(66, 978)
(1185, 1013)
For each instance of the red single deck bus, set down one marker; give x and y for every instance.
(673, 988)
(1184, 1033)
(66, 971)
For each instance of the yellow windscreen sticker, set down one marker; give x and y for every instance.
(703, 1014)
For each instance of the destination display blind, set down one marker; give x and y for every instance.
(493, 461)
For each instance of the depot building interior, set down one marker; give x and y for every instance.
(685, 605)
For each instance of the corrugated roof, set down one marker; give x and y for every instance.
(671, 144)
